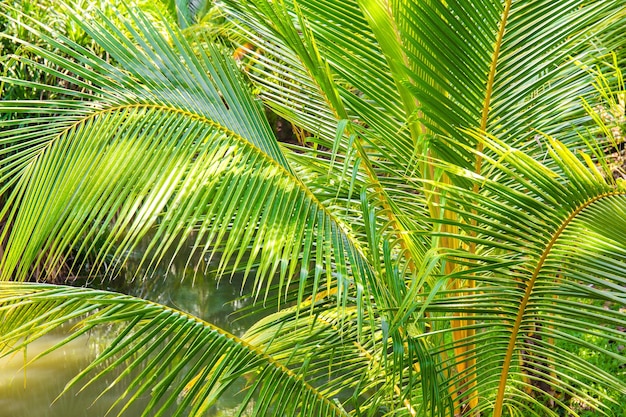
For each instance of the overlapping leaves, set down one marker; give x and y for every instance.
(465, 280)
(555, 282)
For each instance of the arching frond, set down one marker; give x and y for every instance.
(172, 142)
(441, 243)
(178, 360)
(557, 284)
(502, 66)
(299, 64)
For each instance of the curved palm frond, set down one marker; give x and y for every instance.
(171, 142)
(447, 49)
(301, 44)
(178, 360)
(507, 68)
(445, 271)
(349, 357)
(340, 358)
(503, 66)
(539, 288)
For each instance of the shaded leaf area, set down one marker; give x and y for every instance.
(327, 346)
(188, 12)
(176, 359)
(339, 351)
(539, 287)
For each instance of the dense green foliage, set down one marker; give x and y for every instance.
(447, 239)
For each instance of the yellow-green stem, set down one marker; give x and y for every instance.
(465, 323)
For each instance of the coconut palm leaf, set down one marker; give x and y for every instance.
(290, 45)
(176, 359)
(425, 48)
(444, 263)
(464, 64)
(171, 142)
(428, 56)
(539, 289)
(189, 12)
(522, 55)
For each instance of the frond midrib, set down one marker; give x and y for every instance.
(228, 132)
(529, 290)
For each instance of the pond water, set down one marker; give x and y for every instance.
(32, 391)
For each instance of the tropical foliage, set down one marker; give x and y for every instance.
(445, 237)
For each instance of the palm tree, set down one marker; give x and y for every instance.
(442, 243)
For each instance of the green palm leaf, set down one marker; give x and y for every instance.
(541, 289)
(175, 358)
(173, 143)
(522, 55)
(294, 42)
(437, 253)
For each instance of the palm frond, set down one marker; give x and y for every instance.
(172, 142)
(176, 359)
(295, 45)
(453, 245)
(502, 66)
(537, 291)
